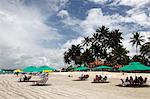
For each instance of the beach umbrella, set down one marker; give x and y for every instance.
(46, 69)
(18, 70)
(135, 66)
(1, 71)
(31, 69)
(102, 67)
(81, 68)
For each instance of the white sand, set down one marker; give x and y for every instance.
(60, 86)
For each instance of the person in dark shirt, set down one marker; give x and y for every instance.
(127, 79)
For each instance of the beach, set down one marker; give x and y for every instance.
(60, 86)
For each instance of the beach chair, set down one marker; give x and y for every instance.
(28, 78)
(41, 82)
(25, 78)
(96, 79)
(84, 77)
(104, 79)
(144, 82)
(124, 83)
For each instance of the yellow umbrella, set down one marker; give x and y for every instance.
(47, 71)
(17, 70)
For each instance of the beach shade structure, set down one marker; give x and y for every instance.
(1, 71)
(18, 70)
(31, 69)
(46, 69)
(135, 66)
(102, 67)
(82, 68)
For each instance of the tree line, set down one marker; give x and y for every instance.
(106, 45)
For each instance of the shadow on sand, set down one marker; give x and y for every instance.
(133, 86)
(28, 81)
(42, 85)
(101, 82)
(79, 80)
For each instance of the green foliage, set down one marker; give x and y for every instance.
(145, 50)
(73, 54)
(119, 56)
(107, 45)
(136, 40)
(141, 59)
(70, 68)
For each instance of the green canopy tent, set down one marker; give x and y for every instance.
(135, 66)
(102, 67)
(31, 69)
(81, 68)
(43, 68)
(2, 72)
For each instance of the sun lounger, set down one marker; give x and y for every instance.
(24, 79)
(144, 82)
(85, 77)
(100, 79)
(124, 83)
(137, 82)
(41, 82)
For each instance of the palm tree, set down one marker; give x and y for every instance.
(136, 40)
(67, 59)
(102, 36)
(103, 32)
(140, 58)
(87, 57)
(114, 38)
(119, 56)
(149, 38)
(73, 54)
(99, 45)
(145, 49)
(86, 41)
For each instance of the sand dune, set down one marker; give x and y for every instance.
(60, 86)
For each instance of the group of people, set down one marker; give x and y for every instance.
(84, 77)
(25, 77)
(99, 78)
(137, 80)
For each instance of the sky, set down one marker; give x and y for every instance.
(38, 32)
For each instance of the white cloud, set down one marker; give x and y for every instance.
(71, 42)
(131, 2)
(63, 13)
(99, 1)
(22, 29)
(67, 19)
(95, 18)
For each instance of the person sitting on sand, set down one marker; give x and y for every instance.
(127, 79)
(136, 81)
(105, 78)
(100, 77)
(131, 80)
(25, 77)
(97, 78)
(140, 80)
